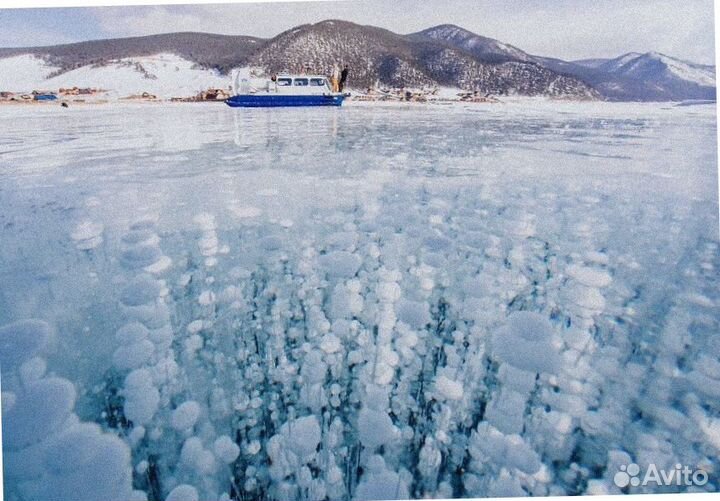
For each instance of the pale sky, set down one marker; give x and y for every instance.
(569, 29)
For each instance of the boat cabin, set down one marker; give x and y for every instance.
(288, 81)
(283, 84)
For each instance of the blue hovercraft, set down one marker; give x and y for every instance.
(284, 90)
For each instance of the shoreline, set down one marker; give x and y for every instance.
(359, 101)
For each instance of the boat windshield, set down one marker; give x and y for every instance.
(301, 82)
(317, 82)
(284, 82)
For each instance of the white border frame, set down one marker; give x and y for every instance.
(108, 3)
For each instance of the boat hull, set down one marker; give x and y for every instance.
(275, 101)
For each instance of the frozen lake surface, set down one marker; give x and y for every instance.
(370, 302)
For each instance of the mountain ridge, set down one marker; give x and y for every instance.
(443, 55)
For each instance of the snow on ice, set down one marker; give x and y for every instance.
(375, 302)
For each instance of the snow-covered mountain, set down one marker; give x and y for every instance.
(630, 77)
(658, 67)
(164, 75)
(373, 54)
(608, 65)
(646, 77)
(205, 49)
(181, 64)
(486, 49)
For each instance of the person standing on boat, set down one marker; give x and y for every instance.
(335, 78)
(343, 77)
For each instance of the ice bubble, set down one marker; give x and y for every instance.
(253, 447)
(381, 483)
(145, 222)
(205, 462)
(231, 294)
(512, 378)
(590, 277)
(193, 344)
(448, 389)
(521, 456)
(133, 355)
(375, 428)
(159, 266)
(597, 487)
(413, 313)
(161, 336)
(489, 444)
(152, 315)
(85, 464)
(185, 416)
(183, 492)
(330, 344)
(141, 236)
(345, 303)
(42, 409)
(389, 291)
(138, 495)
(141, 290)
(301, 437)
(32, 370)
(225, 449)
(505, 486)
(21, 340)
(588, 298)
(700, 300)
(313, 368)
(205, 221)
(141, 396)
(195, 326)
(708, 365)
(191, 450)
(141, 256)
(704, 384)
(206, 298)
(597, 258)
(340, 264)
(133, 332)
(343, 240)
(505, 411)
(208, 244)
(136, 435)
(526, 343)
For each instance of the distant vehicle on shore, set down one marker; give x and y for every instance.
(45, 97)
(284, 90)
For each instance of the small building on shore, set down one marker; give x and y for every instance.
(78, 91)
(214, 95)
